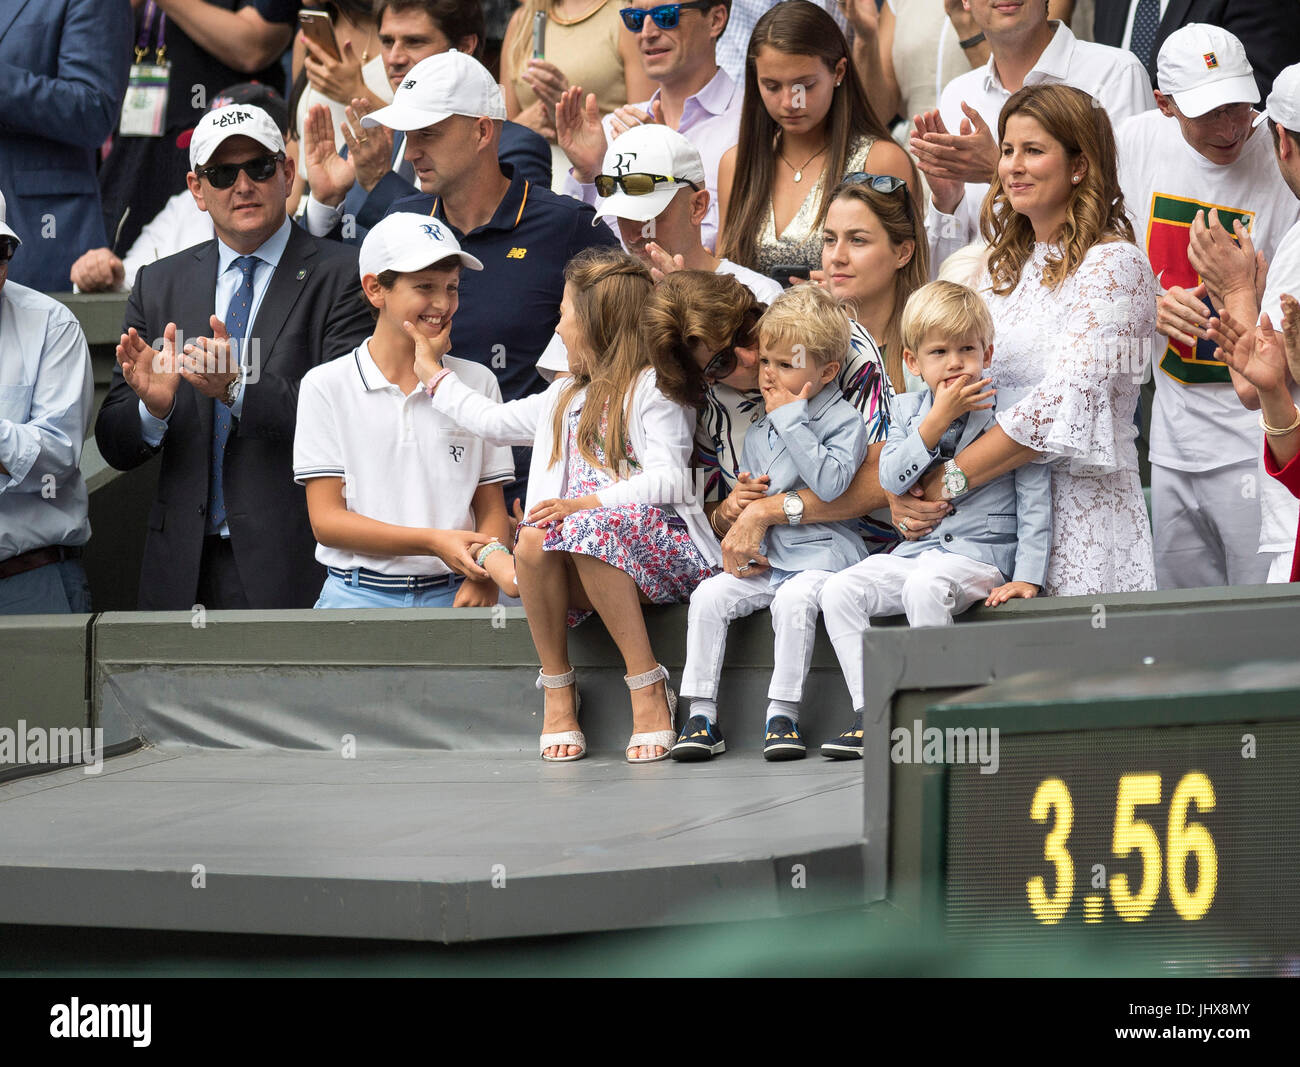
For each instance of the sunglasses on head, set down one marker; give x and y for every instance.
(722, 364)
(881, 183)
(636, 184)
(224, 175)
(664, 16)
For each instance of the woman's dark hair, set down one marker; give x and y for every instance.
(796, 28)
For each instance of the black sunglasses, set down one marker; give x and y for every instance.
(8, 246)
(722, 364)
(636, 184)
(664, 16)
(224, 175)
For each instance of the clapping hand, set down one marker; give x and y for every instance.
(1180, 314)
(370, 148)
(970, 155)
(546, 80)
(328, 173)
(662, 263)
(579, 133)
(210, 364)
(1226, 266)
(1259, 359)
(627, 116)
(151, 373)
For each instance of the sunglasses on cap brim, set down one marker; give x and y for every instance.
(637, 184)
(665, 16)
(224, 175)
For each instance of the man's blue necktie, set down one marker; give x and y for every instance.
(236, 321)
(1146, 22)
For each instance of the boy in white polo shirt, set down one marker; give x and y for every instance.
(397, 493)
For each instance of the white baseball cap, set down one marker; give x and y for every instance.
(5, 231)
(405, 241)
(1203, 67)
(233, 120)
(1283, 105)
(450, 83)
(649, 149)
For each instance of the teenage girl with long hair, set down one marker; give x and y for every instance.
(805, 123)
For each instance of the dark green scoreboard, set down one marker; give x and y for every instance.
(1162, 821)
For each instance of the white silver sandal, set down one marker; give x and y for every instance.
(662, 738)
(566, 737)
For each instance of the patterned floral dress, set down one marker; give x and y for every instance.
(647, 542)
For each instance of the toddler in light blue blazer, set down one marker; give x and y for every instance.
(811, 438)
(995, 543)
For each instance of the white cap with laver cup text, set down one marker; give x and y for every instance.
(233, 120)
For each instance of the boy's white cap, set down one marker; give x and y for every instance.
(405, 242)
(1283, 105)
(5, 231)
(1203, 67)
(233, 120)
(450, 83)
(649, 149)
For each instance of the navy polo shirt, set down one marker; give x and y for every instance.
(508, 310)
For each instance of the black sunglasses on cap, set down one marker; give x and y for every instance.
(224, 175)
(636, 184)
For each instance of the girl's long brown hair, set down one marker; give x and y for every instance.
(795, 28)
(901, 221)
(609, 292)
(1095, 212)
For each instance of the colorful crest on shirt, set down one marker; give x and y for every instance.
(1168, 234)
(1211, 61)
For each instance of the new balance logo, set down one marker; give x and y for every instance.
(517, 253)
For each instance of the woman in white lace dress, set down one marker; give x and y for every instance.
(1073, 302)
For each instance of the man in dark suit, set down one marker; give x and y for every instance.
(63, 69)
(1269, 29)
(217, 338)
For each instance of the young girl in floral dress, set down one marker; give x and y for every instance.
(613, 517)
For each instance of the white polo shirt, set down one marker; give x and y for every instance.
(1114, 77)
(401, 462)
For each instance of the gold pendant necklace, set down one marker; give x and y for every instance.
(798, 174)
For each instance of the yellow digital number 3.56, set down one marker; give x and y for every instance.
(1053, 794)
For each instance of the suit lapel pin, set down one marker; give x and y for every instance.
(301, 275)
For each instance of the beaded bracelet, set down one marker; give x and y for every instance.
(488, 549)
(433, 382)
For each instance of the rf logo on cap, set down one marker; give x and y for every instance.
(433, 230)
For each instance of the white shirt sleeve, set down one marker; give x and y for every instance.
(321, 218)
(512, 423)
(316, 440)
(498, 460)
(48, 441)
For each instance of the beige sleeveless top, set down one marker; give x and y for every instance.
(587, 52)
(801, 241)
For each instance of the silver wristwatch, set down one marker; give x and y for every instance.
(954, 480)
(792, 505)
(232, 392)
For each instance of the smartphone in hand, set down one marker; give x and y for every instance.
(783, 272)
